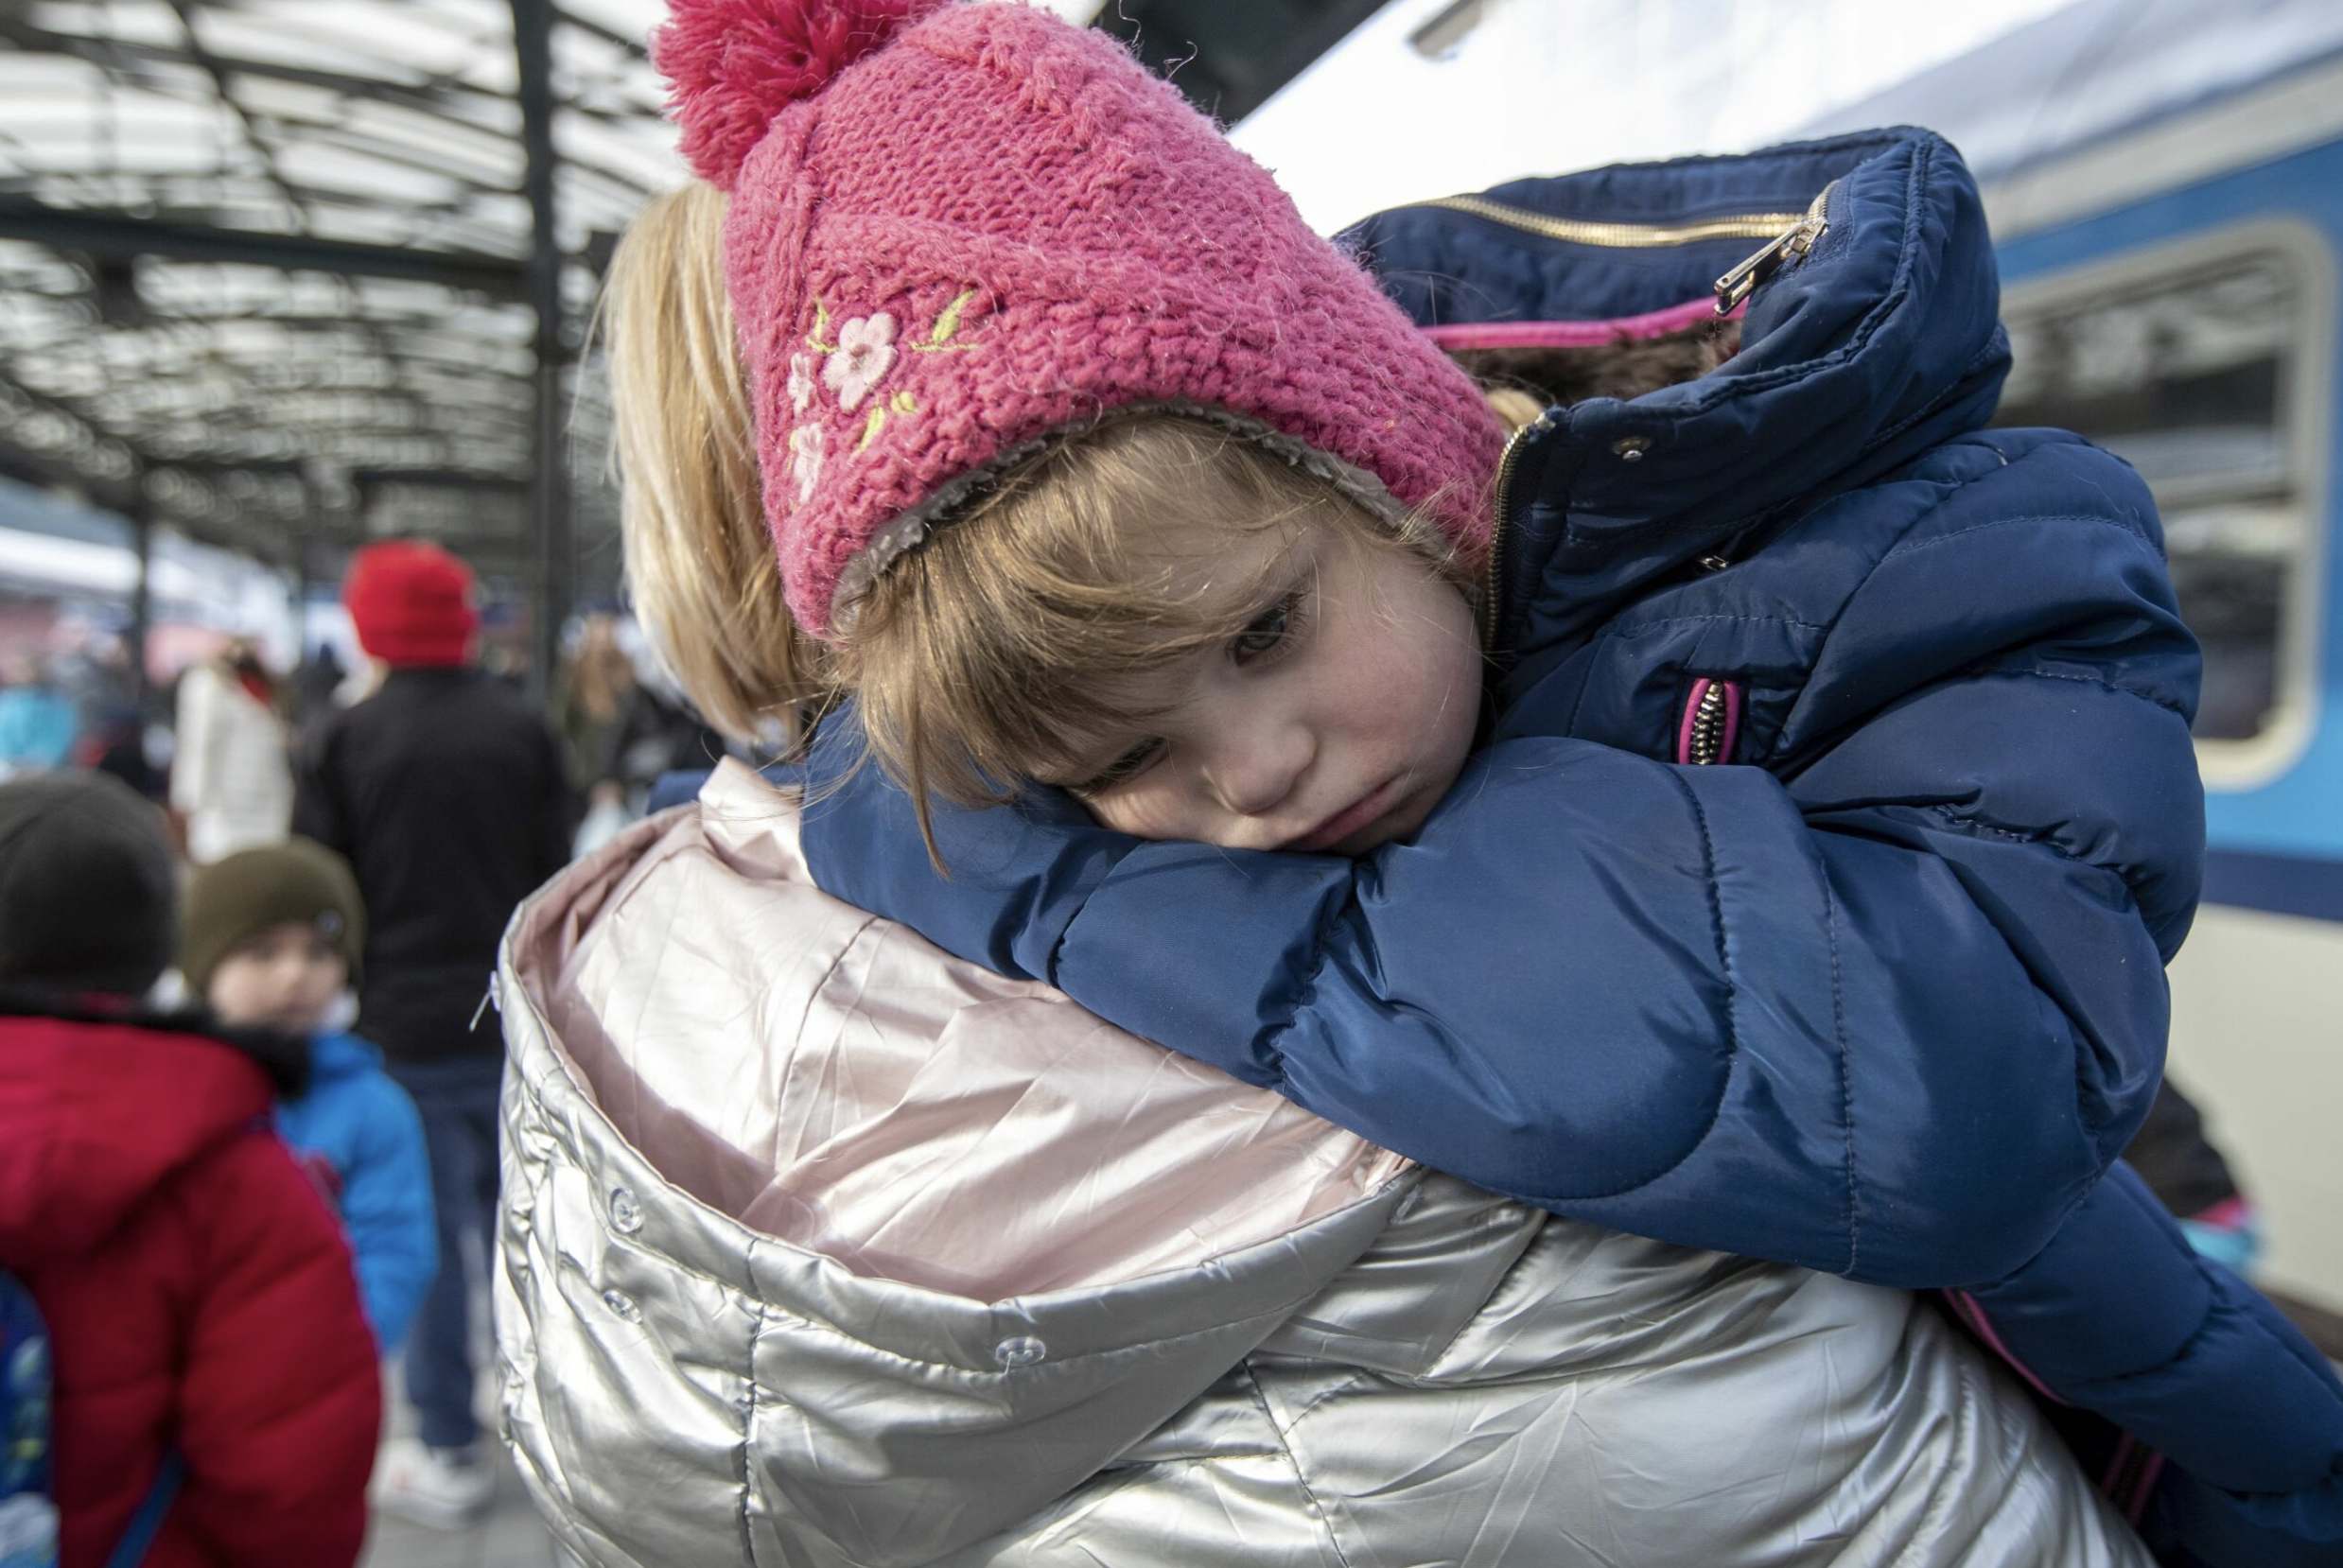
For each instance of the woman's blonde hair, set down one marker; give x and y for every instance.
(706, 585)
(991, 655)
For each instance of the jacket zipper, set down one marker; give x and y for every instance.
(1789, 231)
(1492, 582)
(1633, 236)
(1711, 722)
(1794, 242)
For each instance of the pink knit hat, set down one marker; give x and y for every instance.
(958, 231)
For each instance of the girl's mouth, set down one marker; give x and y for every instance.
(1358, 815)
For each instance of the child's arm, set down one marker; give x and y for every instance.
(386, 1207)
(1892, 1017)
(2119, 1316)
(1646, 996)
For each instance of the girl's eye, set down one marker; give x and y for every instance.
(1269, 632)
(1127, 766)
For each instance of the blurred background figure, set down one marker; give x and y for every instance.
(271, 940)
(231, 782)
(317, 686)
(445, 790)
(211, 1368)
(624, 728)
(590, 703)
(37, 721)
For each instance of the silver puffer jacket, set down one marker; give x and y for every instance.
(822, 1248)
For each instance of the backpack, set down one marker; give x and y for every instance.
(27, 1507)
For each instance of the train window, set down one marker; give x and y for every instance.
(2194, 364)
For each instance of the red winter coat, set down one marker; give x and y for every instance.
(199, 1297)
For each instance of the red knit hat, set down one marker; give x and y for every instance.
(960, 231)
(412, 604)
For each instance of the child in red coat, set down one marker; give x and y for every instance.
(198, 1292)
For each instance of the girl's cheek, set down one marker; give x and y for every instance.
(1142, 813)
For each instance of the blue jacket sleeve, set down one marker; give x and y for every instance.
(1887, 1006)
(387, 1209)
(1700, 1020)
(2119, 1316)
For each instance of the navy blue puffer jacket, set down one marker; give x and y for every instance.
(1883, 996)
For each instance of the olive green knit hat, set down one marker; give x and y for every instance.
(232, 900)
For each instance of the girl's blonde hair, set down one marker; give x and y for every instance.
(1000, 650)
(988, 656)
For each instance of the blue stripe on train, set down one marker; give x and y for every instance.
(2282, 884)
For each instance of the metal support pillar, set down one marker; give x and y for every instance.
(142, 592)
(548, 490)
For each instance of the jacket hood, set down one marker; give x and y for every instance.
(747, 1122)
(96, 1115)
(1882, 342)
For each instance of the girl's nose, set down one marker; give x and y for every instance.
(1253, 773)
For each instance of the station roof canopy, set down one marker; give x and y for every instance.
(264, 263)
(271, 255)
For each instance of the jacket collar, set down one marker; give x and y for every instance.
(284, 1057)
(1884, 340)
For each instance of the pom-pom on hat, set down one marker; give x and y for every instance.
(958, 231)
(411, 602)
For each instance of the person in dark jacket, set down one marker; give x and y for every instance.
(1806, 890)
(444, 791)
(197, 1289)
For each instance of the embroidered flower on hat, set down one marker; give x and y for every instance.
(800, 381)
(805, 459)
(866, 349)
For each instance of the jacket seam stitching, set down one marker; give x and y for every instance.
(1347, 1386)
(1640, 627)
(1996, 347)
(1846, 1076)
(776, 1313)
(1904, 544)
(1732, 1019)
(1284, 1443)
(1971, 822)
(2216, 1309)
(2022, 672)
(1909, 546)
(748, 1420)
(1899, 294)
(561, 1148)
(1275, 1064)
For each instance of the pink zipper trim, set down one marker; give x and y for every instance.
(2150, 1473)
(1596, 334)
(1982, 1326)
(1685, 726)
(2115, 1465)
(2151, 1469)
(2229, 1214)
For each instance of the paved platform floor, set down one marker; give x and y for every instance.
(510, 1536)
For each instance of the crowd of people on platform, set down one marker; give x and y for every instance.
(248, 1147)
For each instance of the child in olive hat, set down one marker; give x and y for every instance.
(271, 939)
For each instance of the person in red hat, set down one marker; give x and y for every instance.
(445, 791)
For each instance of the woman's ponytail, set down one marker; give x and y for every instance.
(698, 556)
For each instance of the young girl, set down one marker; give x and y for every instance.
(1088, 465)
